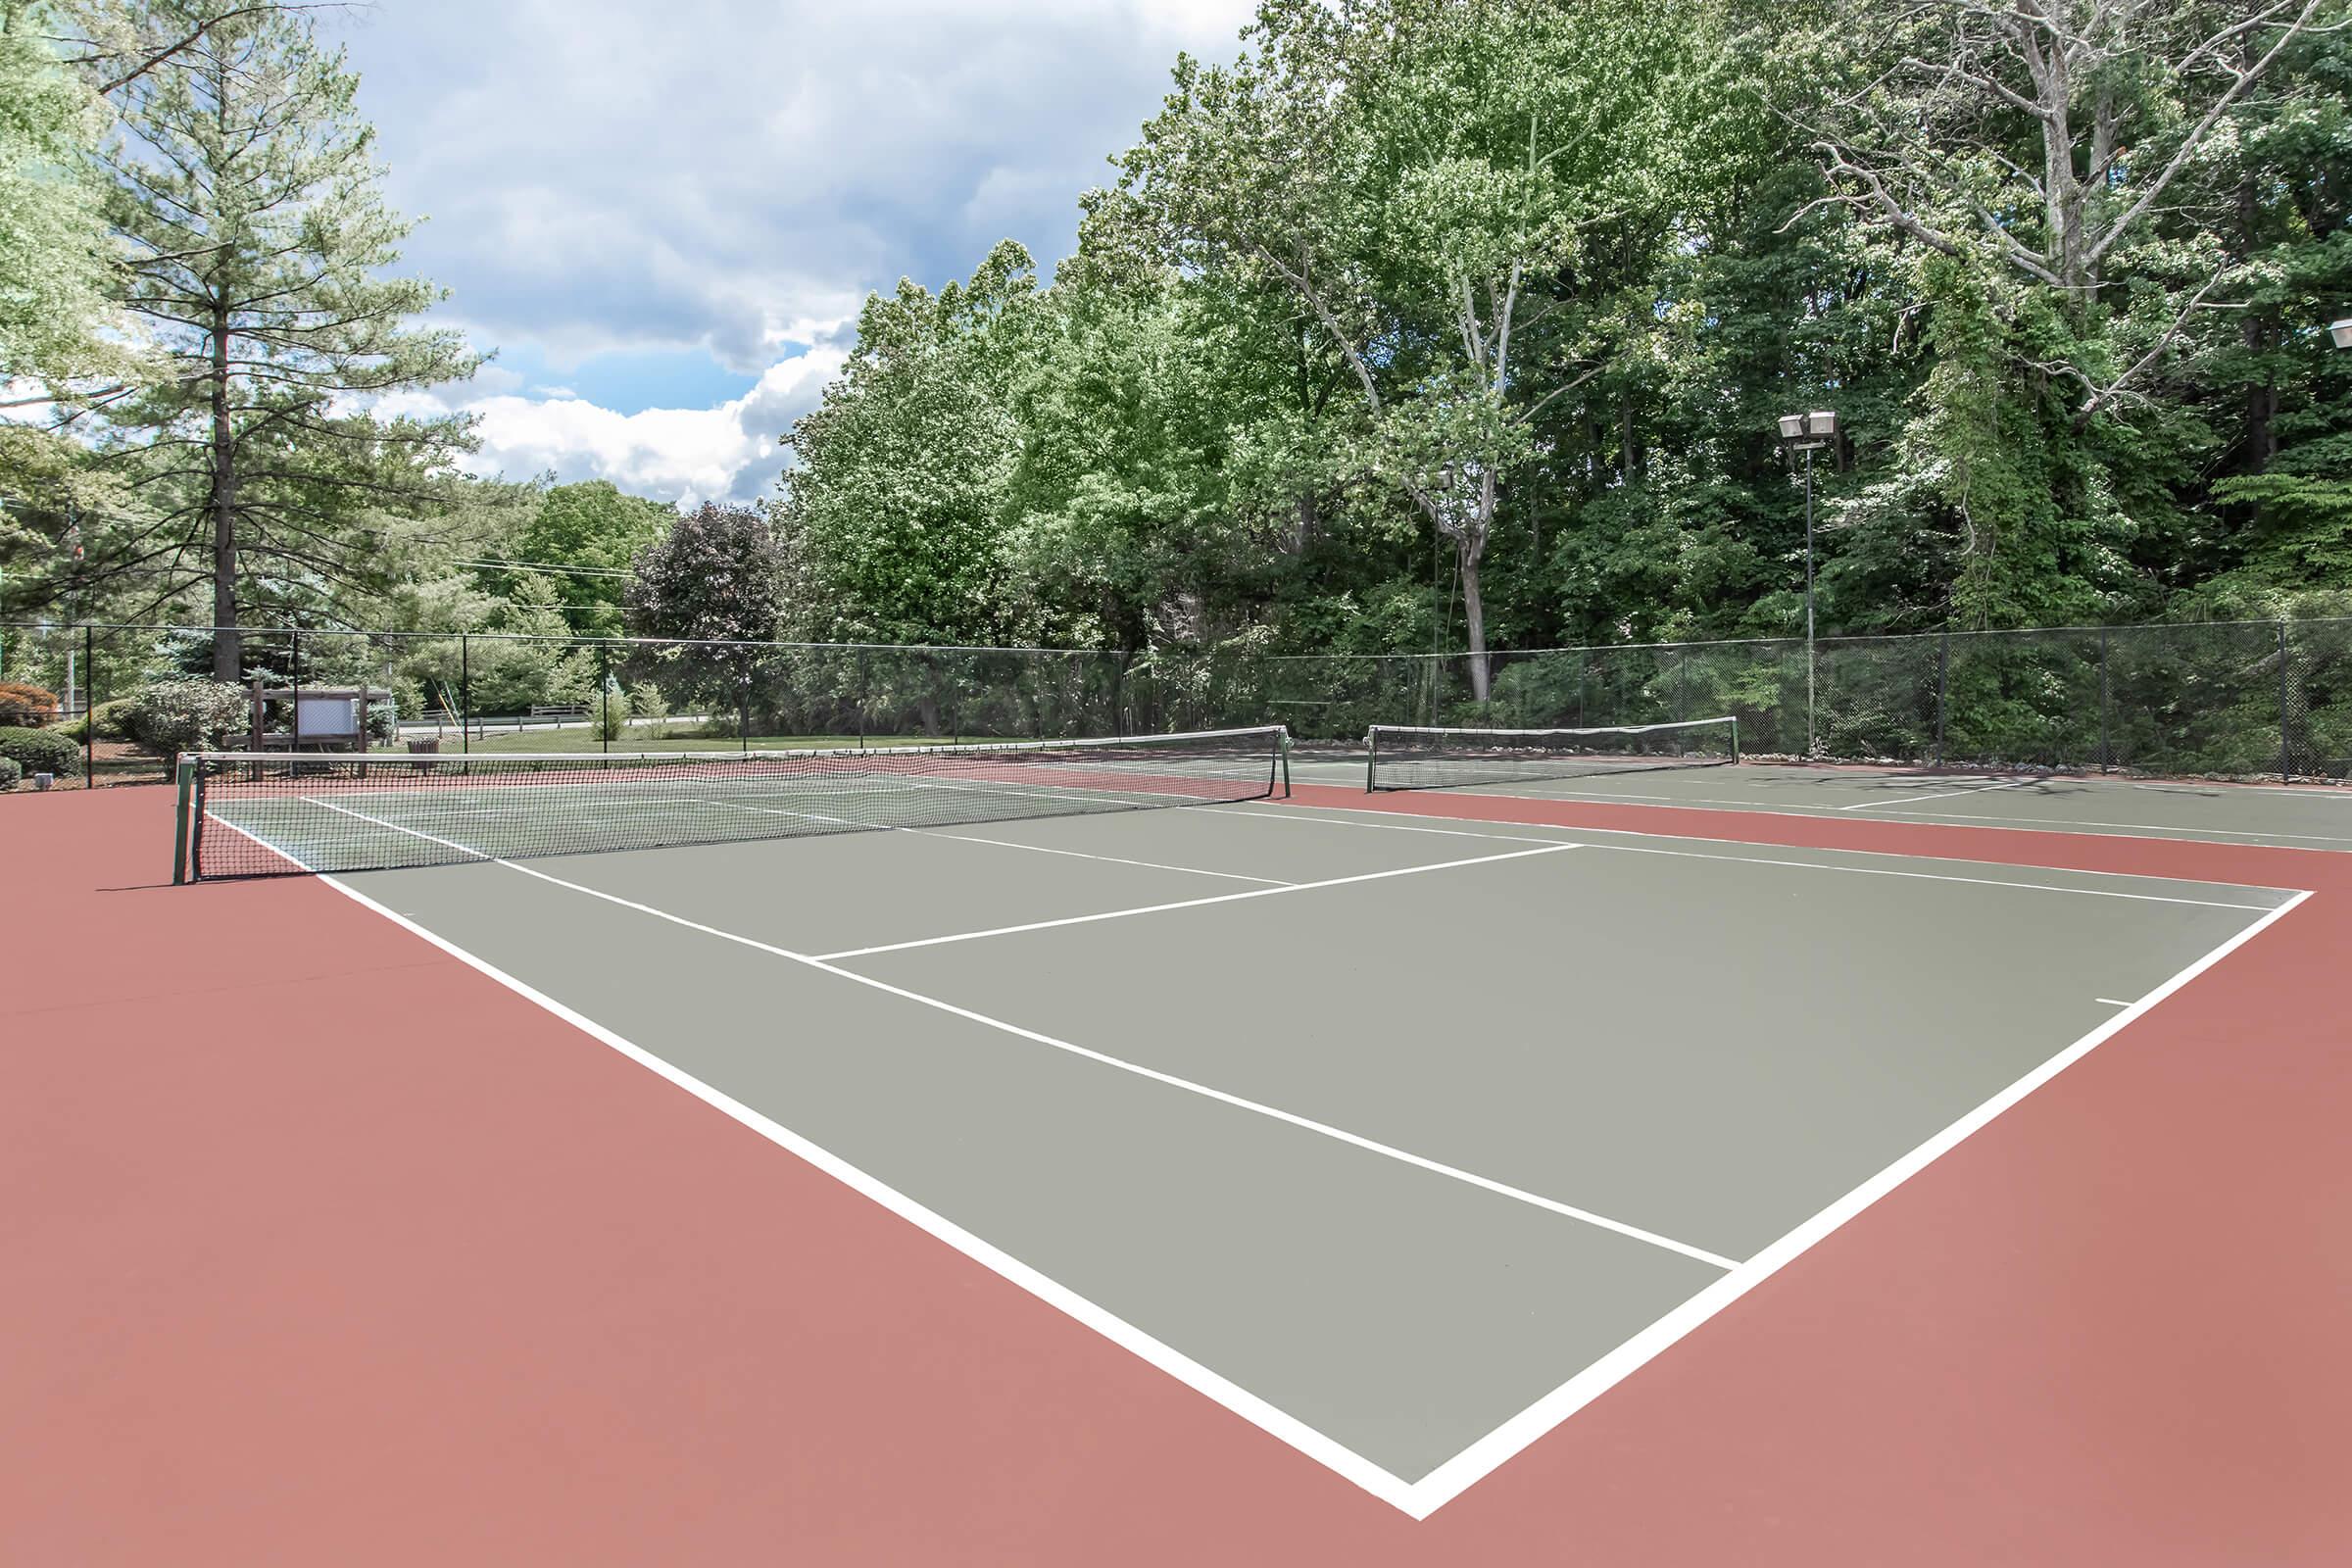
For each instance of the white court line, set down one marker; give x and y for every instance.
(2111, 1001)
(2301, 792)
(1007, 844)
(1189, 903)
(1319, 814)
(2156, 830)
(1912, 800)
(1933, 876)
(1397, 827)
(2021, 824)
(819, 817)
(1115, 859)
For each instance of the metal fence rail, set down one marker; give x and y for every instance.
(2229, 699)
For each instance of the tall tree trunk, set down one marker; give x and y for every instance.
(1474, 614)
(228, 662)
(2262, 401)
(1472, 548)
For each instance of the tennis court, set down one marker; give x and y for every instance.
(1403, 1139)
(1397, 1128)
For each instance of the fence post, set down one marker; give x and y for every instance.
(465, 693)
(2287, 749)
(1943, 684)
(604, 697)
(294, 675)
(89, 707)
(2106, 750)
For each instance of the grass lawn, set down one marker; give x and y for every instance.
(585, 740)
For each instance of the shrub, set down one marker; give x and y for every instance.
(186, 715)
(40, 751)
(611, 715)
(650, 708)
(10, 772)
(24, 705)
(109, 718)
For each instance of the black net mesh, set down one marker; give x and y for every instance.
(1874, 698)
(2195, 700)
(253, 815)
(1425, 757)
(1324, 701)
(2319, 710)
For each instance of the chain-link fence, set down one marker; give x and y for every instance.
(2233, 699)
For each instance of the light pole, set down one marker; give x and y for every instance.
(1808, 433)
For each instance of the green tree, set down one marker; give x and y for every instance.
(1180, 458)
(2057, 171)
(585, 536)
(717, 577)
(57, 296)
(1406, 170)
(61, 337)
(245, 189)
(896, 507)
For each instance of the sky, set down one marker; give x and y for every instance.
(662, 216)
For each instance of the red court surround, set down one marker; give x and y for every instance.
(321, 1248)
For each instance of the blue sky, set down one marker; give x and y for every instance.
(662, 216)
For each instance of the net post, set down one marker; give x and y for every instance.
(1282, 758)
(1735, 739)
(186, 798)
(2286, 756)
(1944, 685)
(2106, 749)
(1371, 756)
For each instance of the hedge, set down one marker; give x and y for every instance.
(40, 751)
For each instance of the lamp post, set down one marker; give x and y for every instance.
(1808, 433)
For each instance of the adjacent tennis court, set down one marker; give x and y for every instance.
(1680, 765)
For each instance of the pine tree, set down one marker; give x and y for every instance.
(245, 186)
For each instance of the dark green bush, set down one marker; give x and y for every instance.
(10, 772)
(108, 716)
(40, 751)
(185, 714)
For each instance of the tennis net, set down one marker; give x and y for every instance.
(259, 814)
(1405, 758)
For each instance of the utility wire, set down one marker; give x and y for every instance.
(542, 565)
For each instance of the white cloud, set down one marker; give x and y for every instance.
(686, 454)
(732, 178)
(605, 173)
